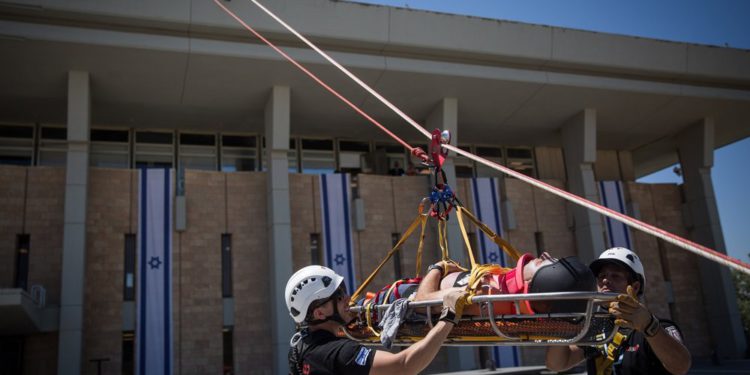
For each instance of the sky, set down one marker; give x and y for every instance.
(712, 22)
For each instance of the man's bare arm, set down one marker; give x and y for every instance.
(561, 358)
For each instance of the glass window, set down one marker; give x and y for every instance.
(494, 154)
(110, 148)
(315, 249)
(16, 144)
(128, 291)
(22, 261)
(318, 156)
(388, 158)
(238, 153)
(293, 157)
(228, 349)
(464, 165)
(154, 149)
(198, 151)
(53, 146)
(521, 160)
(352, 156)
(128, 353)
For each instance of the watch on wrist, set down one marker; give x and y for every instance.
(448, 315)
(652, 328)
(436, 266)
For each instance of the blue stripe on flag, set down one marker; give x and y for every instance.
(485, 193)
(347, 230)
(498, 226)
(326, 223)
(142, 277)
(478, 209)
(167, 274)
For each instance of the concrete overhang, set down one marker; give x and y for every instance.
(187, 65)
(22, 315)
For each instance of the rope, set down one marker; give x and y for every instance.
(678, 241)
(693, 247)
(313, 76)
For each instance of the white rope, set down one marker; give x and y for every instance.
(666, 236)
(346, 71)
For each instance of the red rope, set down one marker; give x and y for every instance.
(316, 79)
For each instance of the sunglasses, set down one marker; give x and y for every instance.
(337, 296)
(545, 256)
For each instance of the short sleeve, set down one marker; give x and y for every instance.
(353, 358)
(672, 330)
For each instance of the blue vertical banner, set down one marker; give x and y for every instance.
(335, 197)
(487, 209)
(612, 197)
(154, 294)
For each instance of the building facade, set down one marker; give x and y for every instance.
(93, 91)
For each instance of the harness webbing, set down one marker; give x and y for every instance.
(420, 219)
(633, 223)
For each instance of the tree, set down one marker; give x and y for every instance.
(742, 285)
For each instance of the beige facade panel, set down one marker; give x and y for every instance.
(607, 166)
(550, 163)
(107, 221)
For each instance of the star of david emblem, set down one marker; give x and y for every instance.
(339, 259)
(492, 257)
(154, 263)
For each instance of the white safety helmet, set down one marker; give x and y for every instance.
(310, 284)
(624, 257)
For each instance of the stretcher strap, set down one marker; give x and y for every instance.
(505, 245)
(368, 315)
(421, 218)
(421, 245)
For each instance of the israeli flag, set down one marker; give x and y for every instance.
(612, 197)
(154, 294)
(487, 210)
(337, 233)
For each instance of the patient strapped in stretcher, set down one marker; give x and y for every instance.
(531, 275)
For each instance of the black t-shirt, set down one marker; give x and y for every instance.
(633, 357)
(322, 353)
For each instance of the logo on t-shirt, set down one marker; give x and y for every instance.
(672, 331)
(362, 356)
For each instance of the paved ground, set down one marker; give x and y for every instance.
(734, 367)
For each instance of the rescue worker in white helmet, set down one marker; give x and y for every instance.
(644, 344)
(317, 300)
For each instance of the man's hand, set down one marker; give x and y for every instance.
(453, 305)
(447, 266)
(630, 313)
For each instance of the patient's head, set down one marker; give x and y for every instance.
(563, 275)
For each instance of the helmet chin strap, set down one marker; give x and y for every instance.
(336, 317)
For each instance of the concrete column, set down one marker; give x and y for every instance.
(445, 117)
(579, 145)
(696, 148)
(70, 347)
(277, 114)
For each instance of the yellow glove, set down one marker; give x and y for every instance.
(453, 305)
(630, 313)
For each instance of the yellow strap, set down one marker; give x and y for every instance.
(420, 218)
(459, 213)
(368, 315)
(505, 245)
(421, 245)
